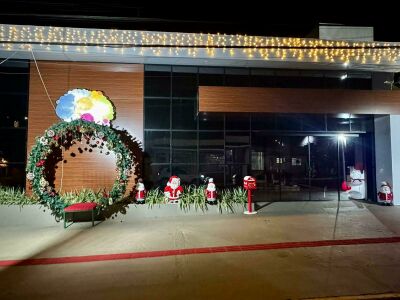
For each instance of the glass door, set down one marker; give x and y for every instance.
(324, 164)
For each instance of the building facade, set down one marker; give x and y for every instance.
(302, 129)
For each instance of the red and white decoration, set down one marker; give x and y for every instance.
(211, 191)
(173, 189)
(140, 192)
(357, 188)
(385, 194)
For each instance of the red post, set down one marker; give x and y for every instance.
(249, 208)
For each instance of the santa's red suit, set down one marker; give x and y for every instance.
(385, 194)
(140, 193)
(211, 191)
(173, 189)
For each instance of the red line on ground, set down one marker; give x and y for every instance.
(203, 250)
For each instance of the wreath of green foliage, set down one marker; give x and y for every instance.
(64, 134)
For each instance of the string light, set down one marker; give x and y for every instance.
(14, 37)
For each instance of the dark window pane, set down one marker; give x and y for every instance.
(211, 121)
(338, 122)
(12, 175)
(237, 77)
(187, 173)
(211, 140)
(235, 173)
(14, 110)
(262, 80)
(237, 155)
(211, 156)
(12, 82)
(184, 113)
(157, 113)
(213, 171)
(157, 84)
(362, 123)
(211, 79)
(157, 175)
(314, 122)
(184, 85)
(237, 138)
(12, 146)
(184, 147)
(236, 121)
(157, 146)
(263, 121)
(289, 122)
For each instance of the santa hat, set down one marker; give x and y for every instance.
(170, 179)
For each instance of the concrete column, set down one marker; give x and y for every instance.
(387, 152)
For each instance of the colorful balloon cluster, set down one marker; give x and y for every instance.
(92, 106)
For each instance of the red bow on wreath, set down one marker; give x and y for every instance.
(40, 163)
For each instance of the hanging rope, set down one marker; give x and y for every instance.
(41, 79)
(52, 104)
(2, 62)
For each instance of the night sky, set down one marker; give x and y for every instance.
(280, 19)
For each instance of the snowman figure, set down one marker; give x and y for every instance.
(357, 185)
(211, 192)
(385, 194)
(140, 192)
(173, 190)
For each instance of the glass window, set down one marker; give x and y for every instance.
(184, 113)
(211, 140)
(187, 173)
(338, 122)
(237, 138)
(184, 85)
(289, 122)
(211, 157)
(14, 110)
(157, 112)
(362, 123)
(237, 121)
(237, 77)
(157, 175)
(12, 174)
(184, 147)
(157, 84)
(211, 76)
(263, 121)
(158, 146)
(237, 155)
(211, 121)
(12, 146)
(213, 171)
(314, 122)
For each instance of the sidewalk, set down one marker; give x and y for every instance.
(293, 273)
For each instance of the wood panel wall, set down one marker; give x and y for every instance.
(283, 100)
(122, 83)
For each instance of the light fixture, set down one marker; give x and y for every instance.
(343, 77)
(342, 138)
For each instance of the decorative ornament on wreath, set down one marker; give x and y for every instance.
(86, 115)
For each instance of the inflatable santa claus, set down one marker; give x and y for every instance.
(211, 192)
(140, 192)
(385, 194)
(173, 189)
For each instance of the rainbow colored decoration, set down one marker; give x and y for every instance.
(87, 105)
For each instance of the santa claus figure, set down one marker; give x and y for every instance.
(385, 194)
(211, 192)
(357, 185)
(173, 189)
(140, 192)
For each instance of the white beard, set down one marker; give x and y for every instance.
(211, 187)
(174, 185)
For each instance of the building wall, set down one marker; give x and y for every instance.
(122, 83)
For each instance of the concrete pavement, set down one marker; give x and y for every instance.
(274, 274)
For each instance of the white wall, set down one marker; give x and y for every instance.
(387, 152)
(395, 149)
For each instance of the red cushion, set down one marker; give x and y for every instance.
(81, 206)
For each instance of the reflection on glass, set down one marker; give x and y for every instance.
(184, 147)
(324, 168)
(158, 146)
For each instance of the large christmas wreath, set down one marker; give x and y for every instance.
(64, 134)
